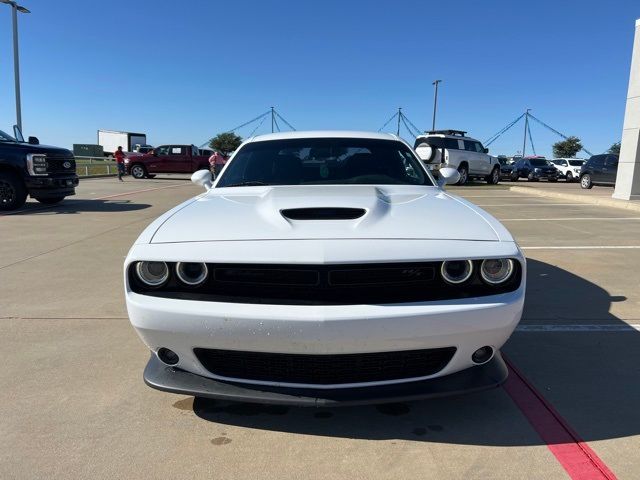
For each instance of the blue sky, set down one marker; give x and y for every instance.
(183, 71)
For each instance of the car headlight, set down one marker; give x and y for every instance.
(496, 270)
(537, 170)
(456, 271)
(192, 274)
(152, 274)
(37, 164)
(126, 160)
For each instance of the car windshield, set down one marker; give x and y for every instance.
(539, 162)
(324, 161)
(5, 137)
(576, 163)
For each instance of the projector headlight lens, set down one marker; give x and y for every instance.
(152, 274)
(192, 274)
(456, 271)
(496, 270)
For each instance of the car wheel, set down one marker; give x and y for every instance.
(585, 181)
(464, 175)
(494, 177)
(50, 200)
(569, 177)
(515, 177)
(138, 171)
(13, 193)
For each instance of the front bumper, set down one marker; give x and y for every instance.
(48, 187)
(174, 380)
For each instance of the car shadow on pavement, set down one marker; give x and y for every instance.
(70, 206)
(590, 377)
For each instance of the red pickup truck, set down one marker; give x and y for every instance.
(166, 159)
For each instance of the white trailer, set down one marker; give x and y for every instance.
(111, 140)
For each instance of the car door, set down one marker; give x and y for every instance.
(471, 154)
(485, 161)
(610, 170)
(180, 159)
(159, 163)
(596, 164)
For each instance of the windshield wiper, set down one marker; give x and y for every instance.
(247, 184)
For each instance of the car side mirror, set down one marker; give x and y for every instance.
(203, 178)
(448, 176)
(485, 150)
(34, 141)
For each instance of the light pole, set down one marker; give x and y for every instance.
(526, 125)
(435, 104)
(15, 8)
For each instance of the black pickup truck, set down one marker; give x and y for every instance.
(47, 174)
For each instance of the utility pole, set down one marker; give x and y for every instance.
(15, 8)
(435, 104)
(526, 127)
(399, 118)
(273, 118)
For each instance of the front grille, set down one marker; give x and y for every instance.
(325, 369)
(56, 164)
(325, 284)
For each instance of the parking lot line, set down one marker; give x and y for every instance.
(549, 204)
(582, 247)
(565, 218)
(575, 456)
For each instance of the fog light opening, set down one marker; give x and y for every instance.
(482, 355)
(168, 356)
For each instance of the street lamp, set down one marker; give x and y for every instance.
(435, 103)
(15, 8)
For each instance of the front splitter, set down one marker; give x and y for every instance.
(169, 379)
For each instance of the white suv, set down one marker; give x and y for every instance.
(569, 167)
(452, 148)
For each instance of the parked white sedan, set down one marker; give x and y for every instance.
(324, 268)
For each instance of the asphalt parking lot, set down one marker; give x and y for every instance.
(74, 404)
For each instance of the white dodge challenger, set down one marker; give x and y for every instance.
(324, 268)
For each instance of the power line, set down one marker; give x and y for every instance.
(286, 123)
(388, 122)
(495, 136)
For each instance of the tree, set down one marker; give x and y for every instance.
(225, 143)
(615, 148)
(567, 148)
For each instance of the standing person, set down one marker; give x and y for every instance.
(119, 154)
(217, 161)
(212, 164)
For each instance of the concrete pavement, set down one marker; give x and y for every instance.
(75, 405)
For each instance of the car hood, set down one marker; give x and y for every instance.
(390, 212)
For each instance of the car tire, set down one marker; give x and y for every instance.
(514, 177)
(13, 193)
(50, 200)
(586, 182)
(464, 175)
(138, 171)
(569, 177)
(494, 176)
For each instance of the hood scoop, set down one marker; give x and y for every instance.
(323, 213)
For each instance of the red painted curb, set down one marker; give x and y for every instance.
(575, 456)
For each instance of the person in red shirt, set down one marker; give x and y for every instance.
(119, 154)
(217, 161)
